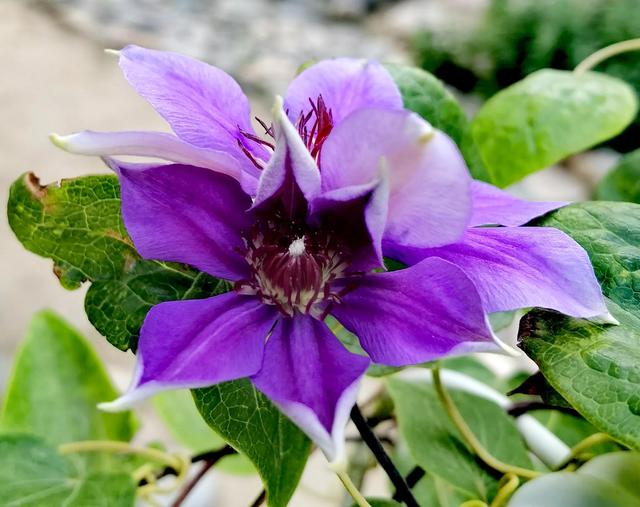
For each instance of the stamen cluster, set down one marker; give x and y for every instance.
(293, 265)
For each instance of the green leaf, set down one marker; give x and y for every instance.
(33, 474)
(78, 225)
(596, 367)
(251, 424)
(546, 117)
(56, 383)
(436, 445)
(178, 411)
(610, 479)
(425, 94)
(430, 490)
(623, 182)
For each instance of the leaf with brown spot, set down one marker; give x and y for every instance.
(77, 224)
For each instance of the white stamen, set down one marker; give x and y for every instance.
(296, 247)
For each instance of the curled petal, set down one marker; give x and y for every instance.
(203, 104)
(521, 267)
(148, 144)
(186, 214)
(345, 85)
(417, 314)
(492, 206)
(309, 374)
(198, 343)
(429, 184)
(291, 174)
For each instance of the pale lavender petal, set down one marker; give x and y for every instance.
(203, 104)
(198, 343)
(430, 198)
(345, 85)
(186, 214)
(417, 314)
(492, 206)
(309, 374)
(149, 144)
(521, 267)
(291, 169)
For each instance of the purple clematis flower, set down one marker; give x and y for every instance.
(300, 218)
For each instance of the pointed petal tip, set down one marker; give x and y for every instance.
(339, 464)
(278, 106)
(59, 141)
(505, 348)
(606, 318)
(117, 405)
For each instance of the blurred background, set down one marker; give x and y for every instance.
(56, 78)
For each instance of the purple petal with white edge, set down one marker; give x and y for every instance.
(149, 144)
(417, 314)
(521, 267)
(345, 85)
(186, 214)
(291, 167)
(309, 374)
(492, 206)
(198, 343)
(203, 104)
(429, 194)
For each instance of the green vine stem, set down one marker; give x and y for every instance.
(470, 438)
(584, 445)
(605, 53)
(508, 484)
(117, 447)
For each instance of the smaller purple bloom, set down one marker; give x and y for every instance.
(300, 218)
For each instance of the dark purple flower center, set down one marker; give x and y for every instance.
(293, 265)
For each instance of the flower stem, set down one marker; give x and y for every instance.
(587, 443)
(603, 54)
(470, 438)
(206, 466)
(369, 438)
(351, 488)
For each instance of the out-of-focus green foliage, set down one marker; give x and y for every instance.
(518, 37)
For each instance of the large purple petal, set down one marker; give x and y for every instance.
(429, 193)
(152, 144)
(416, 314)
(521, 267)
(345, 85)
(309, 374)
(492, 206)
(291, 170)
(203, 104)
(197, 343)
(186, 214)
